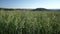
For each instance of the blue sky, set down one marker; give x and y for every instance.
(49, 4)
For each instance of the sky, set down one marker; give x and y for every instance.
(30, 4)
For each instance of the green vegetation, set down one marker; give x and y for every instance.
(29, 22)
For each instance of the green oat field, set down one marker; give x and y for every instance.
(29, 22)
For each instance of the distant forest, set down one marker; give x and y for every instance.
(37, 9)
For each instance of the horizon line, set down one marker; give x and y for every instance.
(29, 8)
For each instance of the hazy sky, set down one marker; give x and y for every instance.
(50, 4)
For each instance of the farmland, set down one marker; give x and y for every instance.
(29, 22)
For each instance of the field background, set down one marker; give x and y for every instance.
(29, 22)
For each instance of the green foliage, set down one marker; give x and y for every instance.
(16, 22)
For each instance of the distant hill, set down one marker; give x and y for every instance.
(39, 9)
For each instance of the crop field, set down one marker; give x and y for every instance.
(29, 22)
